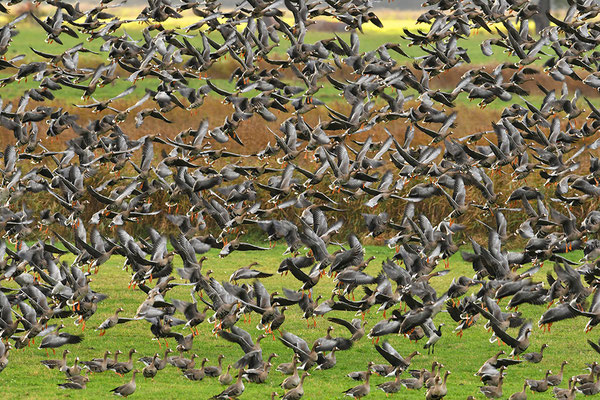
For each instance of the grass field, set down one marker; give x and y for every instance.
(26, 377)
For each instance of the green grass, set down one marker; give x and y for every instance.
(25, 376)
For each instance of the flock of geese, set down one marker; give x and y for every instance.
(102, 184)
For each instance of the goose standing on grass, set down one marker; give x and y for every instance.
(434, 336)
(233, 391)
(361, 375)
(225, 378)
(535, 357)
(297, 392)
(97, 366)
(414, 383)
(150, 369)
(258, 375)
(126, 389)
(360, 391)
(292, 381)
(122, 368)
(555, 380)
(439, 388)
(565, 394)
(587, 378)
(590, 388)
(392, 386)
(182, 362)
(158, 362)
(522, 395)
(110, 363)
(73, 370)
(215, 371)
(196, 374)
(78, 384)
(493, 392)
(56, 364)
(539, 386)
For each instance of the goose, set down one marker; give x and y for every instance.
(126, 389)
(393, 357)
(414, 383)
(158, 362)
(278, 321)
(392, 386)
(225, 378)
(122, 368)
(565, 394)
(492, 363)
(434, 377)
(191, 313)
(328, 361)
(360, 391)
(58, 364)
(182, 362)
(307, 356)
(361, 375)
(292, 381)
(110, 363)
(520, 344)
(356, 327)
(288, 368)
(433, 335)
(587, 378)
(58, 339)
(522, 395)
(75, 384)
(493, 392)
(493, 377)
(539, 385)
(426, 374)
(535, 357)
(215, 371)
(112, 321)
(73, 370)
(96, 366)
(234, 390)
(389, 370)
(196, 374)
(258, 375)
(297, 392)
(439, 389)
(590, 388)
(150, 369)
(555, 380)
